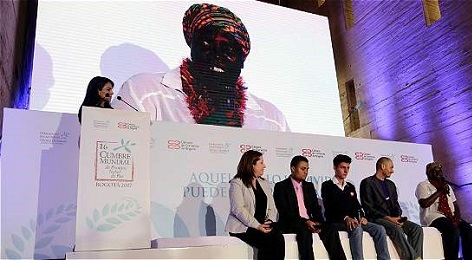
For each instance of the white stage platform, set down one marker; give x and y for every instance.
(225, 247)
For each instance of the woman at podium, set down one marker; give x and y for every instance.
(99, 94)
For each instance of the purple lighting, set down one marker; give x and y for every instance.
(417, 79)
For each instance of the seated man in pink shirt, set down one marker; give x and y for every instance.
(300, 213)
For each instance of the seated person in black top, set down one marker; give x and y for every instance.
(300, 213)
(344, 211)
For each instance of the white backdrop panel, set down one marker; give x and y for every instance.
(39, 183)
(192, 164)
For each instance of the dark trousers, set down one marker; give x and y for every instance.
(328, 235)
(270, 246)
(450, 238)
(305, 244)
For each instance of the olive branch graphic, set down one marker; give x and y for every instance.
(125, 145)
(111, 216)
(45, 225)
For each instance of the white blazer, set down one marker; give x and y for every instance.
(243, 206)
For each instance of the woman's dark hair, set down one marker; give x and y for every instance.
(245, 166)
(92, 99)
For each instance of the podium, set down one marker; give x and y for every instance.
(113, 195)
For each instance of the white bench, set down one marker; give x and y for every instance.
(226, 247)
(291, 249)
(432, 244)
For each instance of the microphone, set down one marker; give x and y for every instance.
(448, 182)
(124, 101)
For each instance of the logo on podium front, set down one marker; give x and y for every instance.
(114, 161)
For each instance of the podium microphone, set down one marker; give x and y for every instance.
(124, 101)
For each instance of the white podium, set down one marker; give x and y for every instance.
(113, 196)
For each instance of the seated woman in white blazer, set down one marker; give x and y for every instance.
(252, 214)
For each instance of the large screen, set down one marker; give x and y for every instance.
(290, 64)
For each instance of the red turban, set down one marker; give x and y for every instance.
(201, 15)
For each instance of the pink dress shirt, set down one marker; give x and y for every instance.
(301, 202)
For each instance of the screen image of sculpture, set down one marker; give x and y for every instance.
(271, 77)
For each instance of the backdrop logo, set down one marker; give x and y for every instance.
(313, 153)
(246, 147)
(391, 156)
(53, 137)
(363, 156)
(173, 144)
(219, 148)
(283, 152)
(101, 124)
(339, 152)
(408, 158)
(127, 126)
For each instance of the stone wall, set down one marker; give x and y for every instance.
(9, 16)
(413, 82)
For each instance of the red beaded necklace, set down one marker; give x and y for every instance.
(198, 100)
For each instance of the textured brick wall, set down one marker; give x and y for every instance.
(9, 12)
(414, 81)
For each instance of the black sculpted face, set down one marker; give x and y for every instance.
(216, 56)
(435, 173)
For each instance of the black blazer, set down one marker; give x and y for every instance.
(287, 205)
(374, 202)
(340, 203)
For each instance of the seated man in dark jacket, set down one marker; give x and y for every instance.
(379, 199)
(300, 213)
